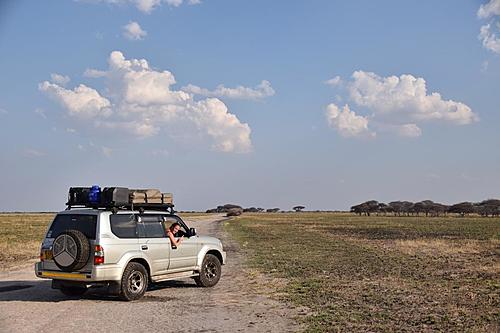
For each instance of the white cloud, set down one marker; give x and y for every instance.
(146, 6)
(395, 105)
(140, 101)
(489, 33)
(59, 79)
(409, 130)
(94, 73)
(405, 97)
(71, 130)
(3, 111)
(260, 91)
(41, 113)
(133, 31)
(346, 122)
(82, 101)
(492, 8)
(336, 81)
(489, 38)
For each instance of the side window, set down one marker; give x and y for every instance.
(168, 221)
(151, 226)
(123, 225)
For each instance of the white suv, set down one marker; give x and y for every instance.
(124, 251)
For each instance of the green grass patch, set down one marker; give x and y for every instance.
(406, 274)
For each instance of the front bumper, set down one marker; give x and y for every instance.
(223, 257)
(98, 273)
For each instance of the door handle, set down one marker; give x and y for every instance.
(144, 247)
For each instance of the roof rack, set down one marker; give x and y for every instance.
(119, 198)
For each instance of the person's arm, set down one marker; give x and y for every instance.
(175, 242)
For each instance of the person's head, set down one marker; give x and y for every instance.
(175, 227)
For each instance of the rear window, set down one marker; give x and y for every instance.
(123, 225)
(83, 223)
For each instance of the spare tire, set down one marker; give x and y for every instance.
(71, 250)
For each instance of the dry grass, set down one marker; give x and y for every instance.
(380, 274)
(21, 236)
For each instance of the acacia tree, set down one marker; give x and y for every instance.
(462, 208)
(488, 207)
(298, 208)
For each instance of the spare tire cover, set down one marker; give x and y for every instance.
(71, 250)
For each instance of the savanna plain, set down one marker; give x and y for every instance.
(351, 273)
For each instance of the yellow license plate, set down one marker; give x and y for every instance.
(47, 254)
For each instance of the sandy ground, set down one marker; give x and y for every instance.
(238, 303)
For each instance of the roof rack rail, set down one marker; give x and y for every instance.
(169, 208)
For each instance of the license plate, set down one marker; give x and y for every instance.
(47, 254)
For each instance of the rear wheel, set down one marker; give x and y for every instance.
(210, 272)
(73, 291)
(134, 282)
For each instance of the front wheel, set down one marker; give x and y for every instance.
(210, 272)
(134, 282)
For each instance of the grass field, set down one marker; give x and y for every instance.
(21, 236)
(380, 273)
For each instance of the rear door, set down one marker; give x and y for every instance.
(85, 223)
(153, 242)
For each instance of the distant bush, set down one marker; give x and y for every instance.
(490, 207)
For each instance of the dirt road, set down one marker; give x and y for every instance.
(29, 304)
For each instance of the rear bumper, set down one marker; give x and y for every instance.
(98, 273)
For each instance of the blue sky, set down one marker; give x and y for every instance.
(275, 103)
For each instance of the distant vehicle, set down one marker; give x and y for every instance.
(123, 247)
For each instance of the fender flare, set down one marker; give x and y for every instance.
(204, 250)
(130, 256)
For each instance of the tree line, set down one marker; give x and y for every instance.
(485, 208)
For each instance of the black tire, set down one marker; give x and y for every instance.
(75, 258)
(73, 291)
(134, 282)
(210, 272)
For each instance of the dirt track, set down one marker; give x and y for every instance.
(29, 304)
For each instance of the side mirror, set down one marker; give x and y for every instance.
(192, 231)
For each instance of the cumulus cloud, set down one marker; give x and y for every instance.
(489, 33)
(405, 96)
(59, 79)
(489, 38)
(83, 102)
(146, 6)
(396, 104)
(492, 8)
(334, 81)
(140, 101)
(260, 91)
(133, 31)
(346, 122)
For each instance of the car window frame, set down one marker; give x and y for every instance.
(142, 229)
